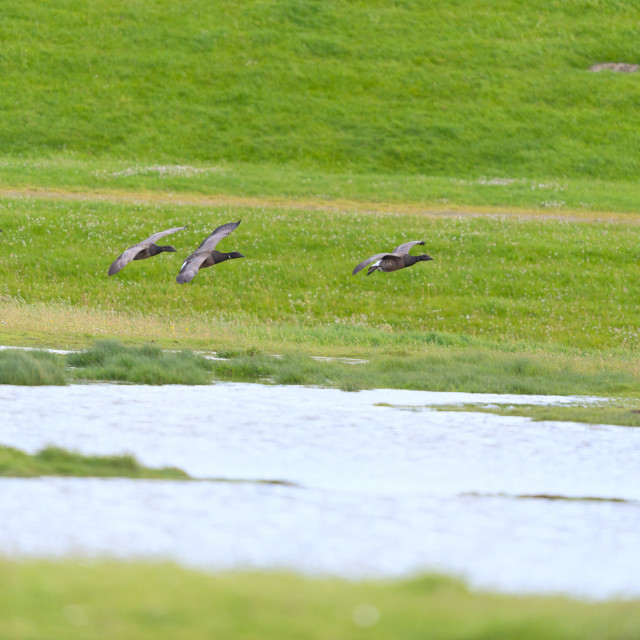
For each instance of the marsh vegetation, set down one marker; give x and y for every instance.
(626, 414)
(30, 368)
(470, 369)
(54, 461)
(148, 364)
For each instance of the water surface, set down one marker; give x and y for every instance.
(379, 491)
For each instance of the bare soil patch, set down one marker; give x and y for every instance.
(374, 208)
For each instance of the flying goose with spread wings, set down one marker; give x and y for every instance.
(206, 255)
(145, 249)
(399, 258)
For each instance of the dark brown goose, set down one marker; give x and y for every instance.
(399, 258)
(206, 256)
(145, 249)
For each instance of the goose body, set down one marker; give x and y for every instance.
(399, 258)
(144, 249)
(206, 255)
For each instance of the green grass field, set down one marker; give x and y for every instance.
(438, 88)
(569, 283)
(486, 104)
(333, 130)
(509, 303)
(139, 601)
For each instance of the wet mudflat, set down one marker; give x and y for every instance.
(377, 490)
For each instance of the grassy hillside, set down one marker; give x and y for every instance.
(458, 89)
(140, 601)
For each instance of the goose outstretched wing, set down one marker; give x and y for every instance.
(406, 247)
(191, 266)
(368, 261)
(161, 234)
(129, 254)
(210, 242)
(125, 258)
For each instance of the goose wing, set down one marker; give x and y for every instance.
(210, 242)
(129, 254)
(161, 234)
(406, 247)
(368, 261)
(191, 266)
(125, 258)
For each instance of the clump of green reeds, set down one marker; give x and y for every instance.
(291, 368)
(53, 461)
(111, 360)
(31, 368)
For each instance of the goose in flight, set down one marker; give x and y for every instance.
(399, 258)
(205, 255)
(145, 249)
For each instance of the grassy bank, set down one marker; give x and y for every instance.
(435, 368)
(472, 90)
(477, 105)
(622, 414)
(53, 461)
(138, 601)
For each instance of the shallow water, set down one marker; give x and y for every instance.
(380, 491)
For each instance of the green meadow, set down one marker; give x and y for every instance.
(510, 303)
(484, 104)
(436, 89)
(333, 130)
(566, 283)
